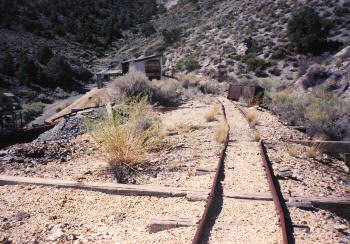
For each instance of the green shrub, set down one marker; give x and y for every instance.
(84, 74)
(161, 48)
(32, 110)
(209, 87)
(171, 36)
(7, 66)
(33, 26)
(136, 83)
(166, 93)
(132, 84)
(307, 31)
(44, 54)
(191, 63)
(60, 93)
(147, 29)
(27, 71)
(322, 112)
(189, 80)
(45, 98)
(59, 30)
(252, 61)
(59, 72)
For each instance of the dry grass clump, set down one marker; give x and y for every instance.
(221, 132)
(173, 166)
(315, 149)
(188, 127)
(252, 117)
(211, 115)
(209, 87)
(292, 151)
(128, 134)
(166, 92)
(189, 80)
(256, 136)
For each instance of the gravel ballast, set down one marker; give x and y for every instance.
(66, 129)
(244, 221)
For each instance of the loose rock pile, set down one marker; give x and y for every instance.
(39, 153)
(64, 130)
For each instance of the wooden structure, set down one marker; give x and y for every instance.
(255, 93)
(106, 75)
(151, 66)
(7, 99)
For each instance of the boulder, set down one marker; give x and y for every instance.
(344, 53)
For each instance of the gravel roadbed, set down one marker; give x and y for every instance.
(323, 175)
(31, 214)
(248, 221)
(192, 146)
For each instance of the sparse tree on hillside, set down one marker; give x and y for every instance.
(44, 54)
(7, 66)
(171, 36)
(307, 31)
(27, 71)
(59, 72)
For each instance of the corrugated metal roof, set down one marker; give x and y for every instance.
(142, 59)
(8, 94)
(110, 72)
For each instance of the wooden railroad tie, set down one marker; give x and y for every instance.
(157, 224)
(161, 191)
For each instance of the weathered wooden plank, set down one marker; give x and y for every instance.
(327, 146)
(204, 171)
(120, 189)
(298, 204)
(347, 159)
(198, 196)
(299, 128)
(256, 196)
(318, 201)
(161, 191)
(157, 224)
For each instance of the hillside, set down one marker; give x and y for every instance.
(48, 48)
(248, 42)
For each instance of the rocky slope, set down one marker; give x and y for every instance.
(79, 32)
(247, 42)
(215, 32)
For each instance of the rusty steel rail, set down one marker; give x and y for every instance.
(199, 236)
(286, 227)
(245, 116)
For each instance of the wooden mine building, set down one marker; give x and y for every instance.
(151, 66)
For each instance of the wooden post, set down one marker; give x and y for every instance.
(14, 120)
(99, 81)
(20, 113)
(347, 160)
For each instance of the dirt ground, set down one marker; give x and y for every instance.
(37, 214)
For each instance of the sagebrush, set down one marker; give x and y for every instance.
(321, 112)
(129, 133)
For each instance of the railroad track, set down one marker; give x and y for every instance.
(241, 168)
(232, 214)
